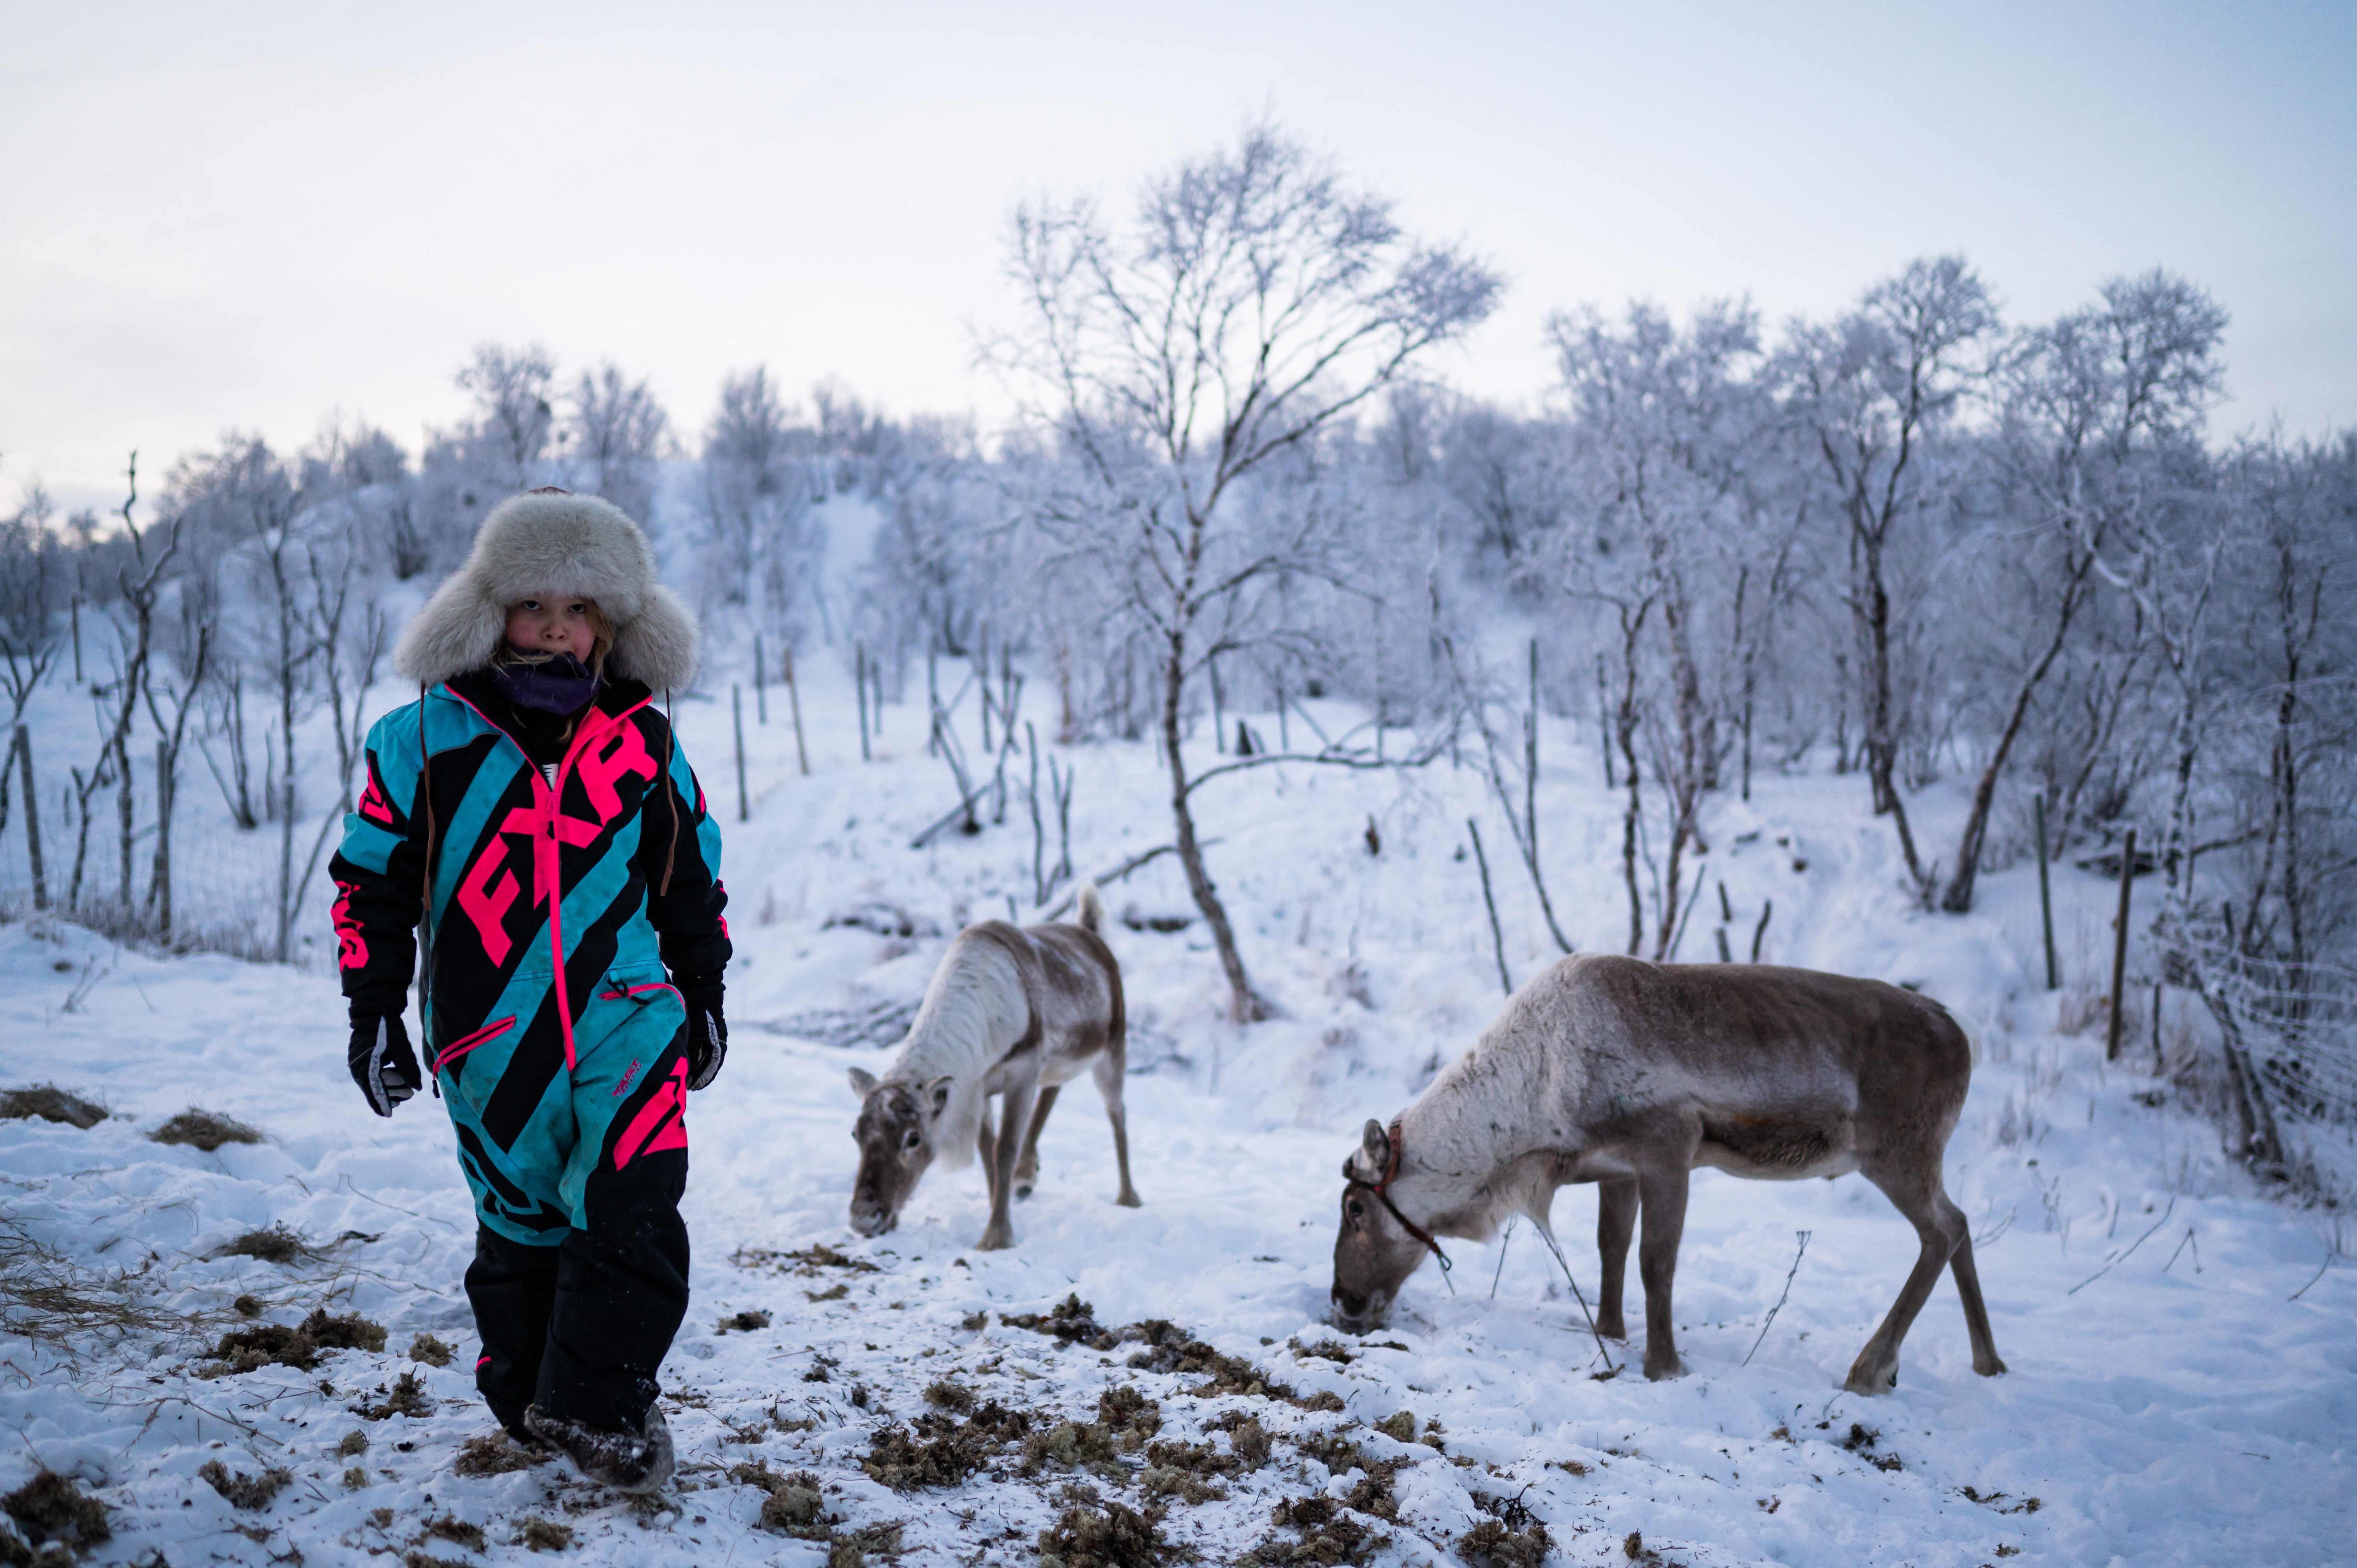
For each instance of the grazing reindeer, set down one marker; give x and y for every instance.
(1630, 1074)
(1011, 1011)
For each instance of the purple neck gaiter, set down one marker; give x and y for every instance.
(561, 685)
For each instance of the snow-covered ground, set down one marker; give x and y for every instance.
(2183, 1383)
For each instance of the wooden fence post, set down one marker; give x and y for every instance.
(859, 684)
(761, 686)
(33, 857)
(794, 697)
(2120, 950)
(736, 715)
(2045, 891)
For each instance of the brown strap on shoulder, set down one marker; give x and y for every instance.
(423, 801)
(670, 791)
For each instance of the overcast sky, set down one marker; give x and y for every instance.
(243, 215)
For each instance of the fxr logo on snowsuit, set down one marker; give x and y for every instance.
(489, 890)
(662, 1122)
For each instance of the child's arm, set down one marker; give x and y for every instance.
(685, 897)
(379, 898)
(679, 854)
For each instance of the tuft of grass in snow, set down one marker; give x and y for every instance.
(1132, 1417)
(807, 1260)
(1513, 1538)
(743, 1322)
(486, 1454)
(543, 1535)
(49, 1507)
(1329, 1535)
(242, 1490)
(1071, 1320)
(274, 1344)
(1170, 1348)
(51, 1103)
(205, 1130)
(940, 1451)
(48, 1297)
(1110, 1535)
(429, 1351)
(457, 1530)
(407, 1398)
(273, 1243)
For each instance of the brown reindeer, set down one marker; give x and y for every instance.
(1015, 1012)
(1630, 1074)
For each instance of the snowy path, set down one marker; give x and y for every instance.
(2178, 1409)
(2159, 1414)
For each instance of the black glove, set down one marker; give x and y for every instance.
(707, 1031)
(382, 1064)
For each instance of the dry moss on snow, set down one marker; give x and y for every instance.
(204, 1130)
(48, 1102)
(51, 1508)
(244, 1491)
(274, 1344)
(273, 1243)
(1105, 1535)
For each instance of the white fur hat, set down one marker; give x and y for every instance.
(553, 541)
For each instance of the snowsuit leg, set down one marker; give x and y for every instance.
(576, 1315)
(513, 1288)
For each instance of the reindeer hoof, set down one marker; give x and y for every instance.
(1666, 1367)
(996, 1238)
(1612, 1327)
(1992, 1368)
(1871, 1382)
(1022, 1189)
(1129, 1199)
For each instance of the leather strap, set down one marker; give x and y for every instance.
(1382, 1189)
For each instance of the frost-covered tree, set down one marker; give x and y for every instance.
(513, 417)
(762, 544)
(615, 434)
(1875, 391)
(1252, 303)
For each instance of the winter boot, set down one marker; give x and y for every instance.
(628, 1461)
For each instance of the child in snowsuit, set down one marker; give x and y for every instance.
(533, 807)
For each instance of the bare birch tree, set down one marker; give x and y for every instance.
(2096, 409)
(1873, 390)
(1253, 303)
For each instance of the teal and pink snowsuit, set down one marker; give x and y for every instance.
(576, 888)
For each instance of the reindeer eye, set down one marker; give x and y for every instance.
(1355, 1209)
(910, 1139)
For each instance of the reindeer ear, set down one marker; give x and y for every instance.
(1376, 1146)
(863, 1082)
(937, 1094)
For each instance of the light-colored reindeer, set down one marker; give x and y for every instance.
(1630, 1074)
(1013, 1010)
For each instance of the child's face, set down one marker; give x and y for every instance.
(548, 624)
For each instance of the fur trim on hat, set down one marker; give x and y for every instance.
(553, 543)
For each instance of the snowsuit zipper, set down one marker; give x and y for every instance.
(548, 789)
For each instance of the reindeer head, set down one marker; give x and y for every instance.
(1374, 1253)
(895, 1134)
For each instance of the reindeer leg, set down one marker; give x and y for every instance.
(1968, 1286)
(1109, 1073)
(1662, 1194)
(1616, 1222)
(1942, 1228)
(1013, 1108)
(1026, 1169)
